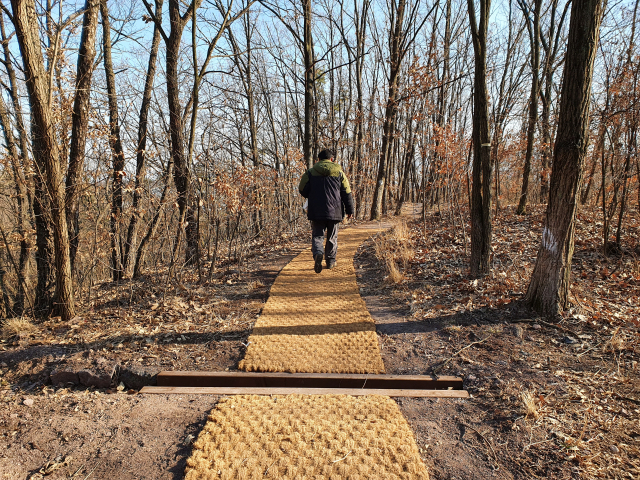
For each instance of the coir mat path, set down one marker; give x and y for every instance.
(314, 323)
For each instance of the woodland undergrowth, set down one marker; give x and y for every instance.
(572, 383)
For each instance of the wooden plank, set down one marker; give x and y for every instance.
(389, 392)
(306, 380)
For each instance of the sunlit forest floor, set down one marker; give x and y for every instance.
(552, 399)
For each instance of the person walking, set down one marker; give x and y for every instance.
(327, 190)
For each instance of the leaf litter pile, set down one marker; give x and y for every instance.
(552, 398)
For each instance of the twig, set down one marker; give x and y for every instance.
(94, 468)
(546, 324)
(536, 443)
(495, 457)
(267, 470)
(441, 366)
(628, 399)
(340, 459)
(588, 350)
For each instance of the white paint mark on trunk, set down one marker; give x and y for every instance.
(548, 241)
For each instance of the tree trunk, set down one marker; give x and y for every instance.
(45, 251)
(141, 155)
(24, 186)
(548, 291)
(390, 110)
(80, 121)
(117, 270)
(181, 170)
(534, 35)
(481, 173)
(551, 47)
(309, 80)
(144, 243)
(46, 146)
(22, 210)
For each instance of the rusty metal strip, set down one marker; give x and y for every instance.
(306, 380)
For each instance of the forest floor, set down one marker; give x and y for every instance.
(549, 399)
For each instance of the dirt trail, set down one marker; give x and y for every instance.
(311, 323)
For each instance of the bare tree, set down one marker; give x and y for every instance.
(45, 141)
(533, 27)
(80, 121)
(141, 153)
(549, 288)
(115, 142)
(401, 37)
(481, 173)
(181, 171)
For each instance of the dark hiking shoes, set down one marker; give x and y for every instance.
(331, 264)
(318, 262)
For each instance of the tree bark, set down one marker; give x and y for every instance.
(117, 152)
(534, 36)
(548, 291)
(46, 146)
(80, 121)
(481, 170)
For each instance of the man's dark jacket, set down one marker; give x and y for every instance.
(327, 188)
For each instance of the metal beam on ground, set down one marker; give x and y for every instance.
(389, 392)
(306, 380)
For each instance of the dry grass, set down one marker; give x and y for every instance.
(395, 249)
(17, 326)
(453, 329)
(616, 343)
(495, 329)
(529, 404)
(395, 275)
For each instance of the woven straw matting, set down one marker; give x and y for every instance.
(316, 323)
(306, 437)
(311, 323)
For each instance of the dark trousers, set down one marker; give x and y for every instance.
(318, 228)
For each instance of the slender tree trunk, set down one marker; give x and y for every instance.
(548, 291)
(141, 154)
(390, 109)
(534, 35)
(80, 122)
(551, 47)
(22, 210)
(151, 230)
(309, 80)
(481, 173)
(46, 144)
(181, 170)
(20, 164)
(117, 270)
(598, 150)
(409, 155)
